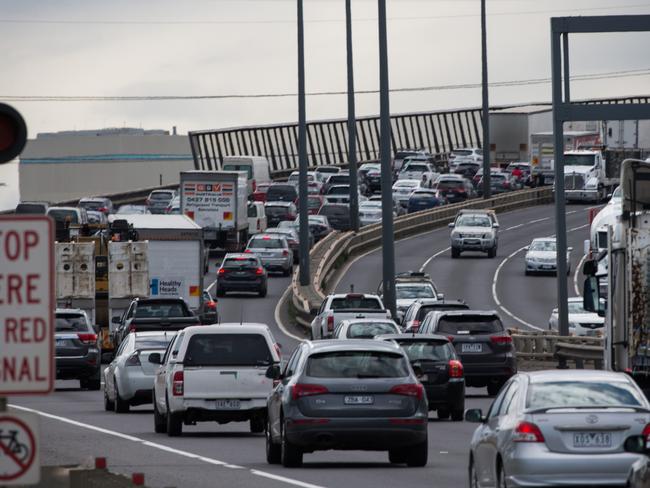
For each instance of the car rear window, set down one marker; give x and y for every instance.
(426, 350)
(462, 152)
(339, 190)
(281, 193)
(414, 291)
(71, 322)
(274, 210)
(314, 203)
(153, 342)
(567, 394)
(416, 167)
(449, 185)
(357, 364)
(160, 195)
(339, 180)
(339, 211)
(240, 167)
(161, 310)
(364, 330)
(227, 350)
(30, 208)
(234, 263)
(355, 302)
(469, 324)
(424, 310)
(266, 243)
(63, 215)
(92, 205)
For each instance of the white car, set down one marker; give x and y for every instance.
(402, 190)
(257, 221)
(581, 322)
(128, 379)
(365, 329)
(370, 212)
(541, 256)
(214, 373)
(418, 170)
(474, 154)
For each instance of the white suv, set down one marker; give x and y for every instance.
(474, 230)
(216, 373)
(460, 155)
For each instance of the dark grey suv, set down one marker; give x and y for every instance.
(348, 395)
(77, 348)
(483, 345)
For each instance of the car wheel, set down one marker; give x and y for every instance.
(418, 455)
(443, 413)
(121, 406)
(221, 292)
(174, 423)
(493, 388)
(457, 414)
(257, 424)
(492, 253)
(501, 476)
(396, 456)
(262, 292)
(289, 271)
(455, 253)
(473, 475)
(273, 450)
(108, 404)
(159, 420)
(568, 271)
(527, 273)
(291, 456)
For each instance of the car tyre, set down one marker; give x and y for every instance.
(257, 424)
(443, 413)
(174, 423)
(92, 384)
(457, 414)
(455, 253)
(159, 420)
(108, 403)
(291, 456)
(221, 292)
(473, 475)
(273, 450)
(492, 253)
(527, 273)
(418, 455)
(262, 292)
(501, 475)
(493, 388)
(396, 456)
(121, 406)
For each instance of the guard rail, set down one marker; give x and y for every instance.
(549, 346)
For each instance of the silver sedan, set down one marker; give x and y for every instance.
(541, 256)
(558, 428)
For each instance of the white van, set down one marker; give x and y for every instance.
(221, 373)
(256, 167)
(257, 221)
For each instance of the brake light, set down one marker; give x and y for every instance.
(134, 360)
(415, 390)
(501, 340)
(259, 271)
(455, 369)
(254, 185)
(302, 390)
(178, 383)
(87, 338)
(527, 432)
(416, 325)
(330, 323)
(103, 210)
(258, 224)
(646, 433)
(212, 305)
(276, 346)
(248, 251)
(460, 190)
(285, 253)
(221, 271)
(291, 216)
(131, 328)
(451, 338)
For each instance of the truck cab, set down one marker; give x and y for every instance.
(584, 175)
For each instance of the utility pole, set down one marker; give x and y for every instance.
(352, 129)
(487, 175)
(302, 155)
(388, 236)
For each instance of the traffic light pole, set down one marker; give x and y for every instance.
(302, 155)
(352, 130)
(487, 175)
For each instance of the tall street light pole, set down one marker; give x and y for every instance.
(388, 236)
(302, 154)
(486, 107)
(352, 130)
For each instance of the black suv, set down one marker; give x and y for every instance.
(419, 309)
(77, 349)
(241, 272)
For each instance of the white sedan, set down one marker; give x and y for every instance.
(581, 322)
(541, 256)
(402, 190)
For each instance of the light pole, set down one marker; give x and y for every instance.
(302, 155)
(487, 193)
(388, 237)
(352, 129)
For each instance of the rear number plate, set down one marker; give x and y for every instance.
(64, 343)
(359, 400)
(471, 347)
(592, 439)
(227, 404)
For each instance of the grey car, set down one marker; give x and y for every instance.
(274, 252)
(541, 256)
(158, 200)
(558, 428)
(347, 395)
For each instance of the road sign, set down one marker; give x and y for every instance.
(26, 305)
(13, 133)
(19, 452)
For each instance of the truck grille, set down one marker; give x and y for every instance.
(574, 182)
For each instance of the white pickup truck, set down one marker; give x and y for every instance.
(338, 307)
(220, 373)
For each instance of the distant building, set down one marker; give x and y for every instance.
(58, 166)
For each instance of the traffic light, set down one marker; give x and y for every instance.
(13, 133)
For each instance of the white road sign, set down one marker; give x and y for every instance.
(19, 452)
(26, 305)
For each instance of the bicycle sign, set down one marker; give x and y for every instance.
(19, 456)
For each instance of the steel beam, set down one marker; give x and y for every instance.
(352, 130)
(302, 155)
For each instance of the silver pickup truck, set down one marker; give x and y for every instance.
(338, 307)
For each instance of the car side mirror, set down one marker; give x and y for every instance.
(154, 358)
(451, 225)
(495, 225)
(440, 296)
(273, 372)
(526, 248)
(115, 320)
(591, 296)
(474, 415)
(635, 444)
(569, 249)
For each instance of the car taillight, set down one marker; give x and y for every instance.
(103, 210)
(460, 190)
(134, 360)
(254, 185)
(646, 433)
(147, 201)
(258, 224)
(415, 390)
(451, 338)
(221, 271)
(330, 323)
(501, 340)
(455, 369)
(527, 432)
(285, 253)
(302, 390)
(87, 338)
(415, 325)
(291, 216)
(131, 328)
(248, 251)
(259, 271)
(212, 305)
(277, 348)
(178, 383)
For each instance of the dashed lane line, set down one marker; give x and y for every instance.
(171, 450)
(426, 263)
(576, 274)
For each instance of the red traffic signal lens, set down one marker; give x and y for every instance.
(13, 133)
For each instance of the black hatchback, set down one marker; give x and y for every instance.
(77, 349)
(434, 360)
(242, 272)
(338, 215)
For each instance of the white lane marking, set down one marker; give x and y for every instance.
(283, 479)
(539, 220)
(515, 227)
(571, 212)
(278, 320)
(575, 275)
(161, 447)
(426, 263)
(579, 227)
(496, 296)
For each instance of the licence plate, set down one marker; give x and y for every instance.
(592, 439)
(228, 404)
(471, 347)
(64, 343)
(547, 266)
(359, 400)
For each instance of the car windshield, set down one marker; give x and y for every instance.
(161, 195)
(339, 190)
(266, 242)
(462, 152)
(543, 246)
(227, 350)
(420, 168)
(469, 324)
(240, 262)
(153, 342)
(356, 302)
(240, 167)
(414, 291)
(30, 208)
(423, 194)
(567, 394)
(357, 364)
(161, 310)
(474, 221)
(404, 154)
(71, 322)
(131, 209)
(426, 350)
(95, 217)
(576, 307)
(284, 193)
(339, 180)
(63, 215)
(274, 210)
(498, 177)
(366, 330)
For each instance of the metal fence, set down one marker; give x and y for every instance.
(327, 140)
